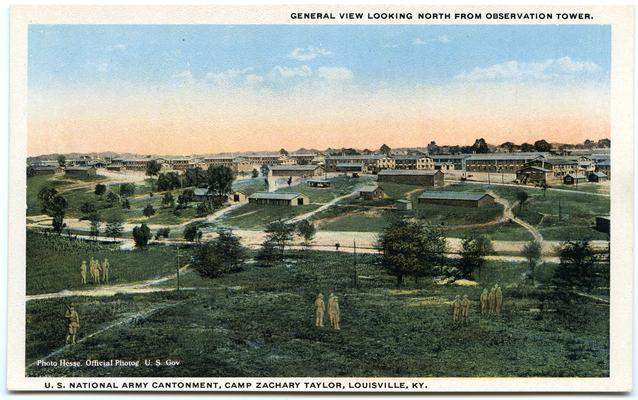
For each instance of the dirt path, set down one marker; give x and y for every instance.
(324, 207)
(112, 290)
(509, 214)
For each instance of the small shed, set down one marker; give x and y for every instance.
(347, 167)
(597, 177)
(371, 192)
(318, 183)
(532, 174)
(278, 199)
(403, 205)
(237, 197)
(457, 199)
(574, 179)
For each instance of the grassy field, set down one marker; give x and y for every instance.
(368, 220)
(339, 186)
(254, 216)
(53, 263)
(259, 322)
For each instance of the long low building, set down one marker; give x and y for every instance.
(47, 170)
(500, 162)
(278, 199)
(298, 171)
(411, 177)
(458, 199)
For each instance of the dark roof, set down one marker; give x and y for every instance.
(274, 195)
(446, 195)
(78, 168)
(403, 201)
(599, 174)
(202, 192)
(506, 156)
(534, 168)
(421, 172)
(357, 157)
(349, 165)
(564, 161)
(576, 176)
(46, 167)
(318, 180)
(604, 163)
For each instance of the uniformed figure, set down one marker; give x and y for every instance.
(105, 270)
(465, 308)
(456, 308)
(319, 310)
(92, 269)
(333, 311)
(485, 302)
(98, 271)
(492, 301)
(499, 299)
(83, 272)
(73, 323)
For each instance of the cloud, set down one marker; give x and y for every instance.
(233, 77)
(439, 39)
(550, 69)
(185, 76)
(334, 73)
(292, 72)
(309, 53)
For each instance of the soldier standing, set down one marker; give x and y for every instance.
(484, 302)
(456, 308)
(73, 323)
(98, 271)
(92, 269)
(333, 311)
(465, 307)
(83, 272)
(105, 270)
(492, 301)
(499, 299)
(319, 310)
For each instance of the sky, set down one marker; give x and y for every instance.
(194, 89)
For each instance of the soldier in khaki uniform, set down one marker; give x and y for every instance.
(320, 307)
(498, 294)
(73, 324)
(333, 311)
(465, 308)
(492, 301)
(456, 309)
(98, 271)
(92, 269)
(105, 270)
(484, 302)
(83, 272)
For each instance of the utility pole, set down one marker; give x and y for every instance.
(355, 276)
(177, 274)
(560, 216)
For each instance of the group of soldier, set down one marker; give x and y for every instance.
(99, 273)
(333, 311)
(491, 304)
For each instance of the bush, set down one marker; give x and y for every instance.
(141, 235)
(162, 232)
(222, 255)
(192, 232)
(148, 210)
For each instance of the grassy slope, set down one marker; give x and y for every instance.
(259, 322)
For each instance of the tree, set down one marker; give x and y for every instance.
(148, 210)
(532, 251)
(264, 169)
(306, 230)
(58, 222)
(127, 189)
(168, 200)
(185, 197)
(385, 149)
(126, 204)
(522, 197)
(100, 189)
(61, 160)
(474, 250)
(205, 207)
(194, 177)
(141, 235)
(94, 218)
(480, 146)
(220, 179)
(283, 152)
(268, 253)
(153, 168)
(255, 173)
(222, 255)
(112, 198)
(192, 232)
(30, 171)
(576, 268)
(114, 227)
(280, 233)
(46, 195)
(162, 232)
(606, 143)
(542, 145)
(526, 147)
(410, 248)
(88, 208)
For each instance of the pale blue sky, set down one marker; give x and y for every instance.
(93, 55)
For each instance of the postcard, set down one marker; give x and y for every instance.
(321, 198)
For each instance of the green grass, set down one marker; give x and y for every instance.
(53, 262)
(250, 186)
(259, 322)
(502, 231)
(339, 186)
(451, 215)
(399, 191)
(373, 220)
(254, 216)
